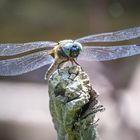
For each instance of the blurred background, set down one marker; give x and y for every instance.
(24, 101)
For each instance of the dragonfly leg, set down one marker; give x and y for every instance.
(77, 63)
(51, 69)
(73, 75)
(60, 65)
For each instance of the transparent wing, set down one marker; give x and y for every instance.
(17, 66)
(104, 53)
(14, 49)
(121, 35)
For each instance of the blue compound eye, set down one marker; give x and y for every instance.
(67, 48)
(72, 49)
(75, 49)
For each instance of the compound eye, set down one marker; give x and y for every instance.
(75, 50)
(67, 48)
(72, 49)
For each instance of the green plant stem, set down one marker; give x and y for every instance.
(73, 104)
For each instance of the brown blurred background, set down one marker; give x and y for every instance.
(24, 107)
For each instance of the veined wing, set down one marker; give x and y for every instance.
(104, 53)
(121, 35)
(14, 49)
(24, 64)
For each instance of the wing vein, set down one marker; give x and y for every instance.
(121, 35)
(104, 53)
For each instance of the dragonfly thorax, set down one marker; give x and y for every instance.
(72, 48)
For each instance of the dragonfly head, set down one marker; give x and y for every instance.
(72, 49)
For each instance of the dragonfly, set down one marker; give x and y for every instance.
(20, 58)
